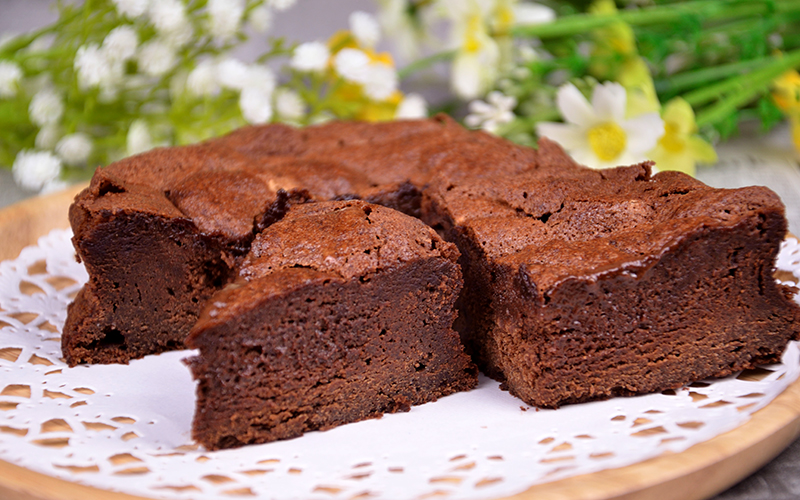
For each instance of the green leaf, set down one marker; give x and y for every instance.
(769, 114)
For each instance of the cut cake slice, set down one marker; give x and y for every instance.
(585, 284)
(342, 311)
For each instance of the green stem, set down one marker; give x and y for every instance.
(707, 10)
(724, 108)
(527, 123)
(424, 63)
(9, 49)
(745, 82)
(691, 79)
(743, 89)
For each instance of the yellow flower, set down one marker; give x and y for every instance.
(635, 77)
(786, 95)
(786, 92)
(342, 39)
(680, 148)
(364, 82)
(614, 44)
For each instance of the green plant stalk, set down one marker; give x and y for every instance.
(526, 124)
(691, 79)
(747, 87)
(707, 10)
(724, 108)
(10, 48)
(424, 63)
(744, 83)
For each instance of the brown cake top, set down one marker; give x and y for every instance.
(319, 242)
(351, 239)
(539, 221)
(225, 184)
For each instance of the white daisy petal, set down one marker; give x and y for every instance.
(480, 107)
(643, 132)
(533, 13)
(473, 121)
(569, 136)
(587, 158)
(608, 101)
(574, 107)
(466, 76)
(365, 28)
(412, 106)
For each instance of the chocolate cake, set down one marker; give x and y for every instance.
(342, 311)
(585, 284)
(578, 284)
(162, 231)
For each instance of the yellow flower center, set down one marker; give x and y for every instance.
(503, 19)
(672, 140)
(474, 26)
(607, 140)
(786, 91)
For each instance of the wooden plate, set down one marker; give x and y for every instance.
(699, 472)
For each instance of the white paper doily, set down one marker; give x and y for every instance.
(127, 428)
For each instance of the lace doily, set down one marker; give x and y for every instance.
(127, 428)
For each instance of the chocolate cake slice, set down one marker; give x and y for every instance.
(342, 311)
(585, 284)
(162, 231)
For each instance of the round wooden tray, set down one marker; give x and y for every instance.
(699, 472)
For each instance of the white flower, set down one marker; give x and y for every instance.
(225, 17)
(352, 65)
(202, 80)
(46, 107)
(475, 66)
(95, 69)
(412, 106)
(139, 138)
(53, 186)
(10, 75)
(256, 105)
(47, 136)
(156, 58)
(381, 81)
(402, 27)
(232, 73)
(289, 105)
(34, 169)
(497, 110)
(168, 16)
(259, 77)
(260, 18)
(365, 28)
(526, 13)
(132, 8)
(598, 134)
(180, 37)
(310, 56)
(121, 43)
(74, 149)
(281, 4)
